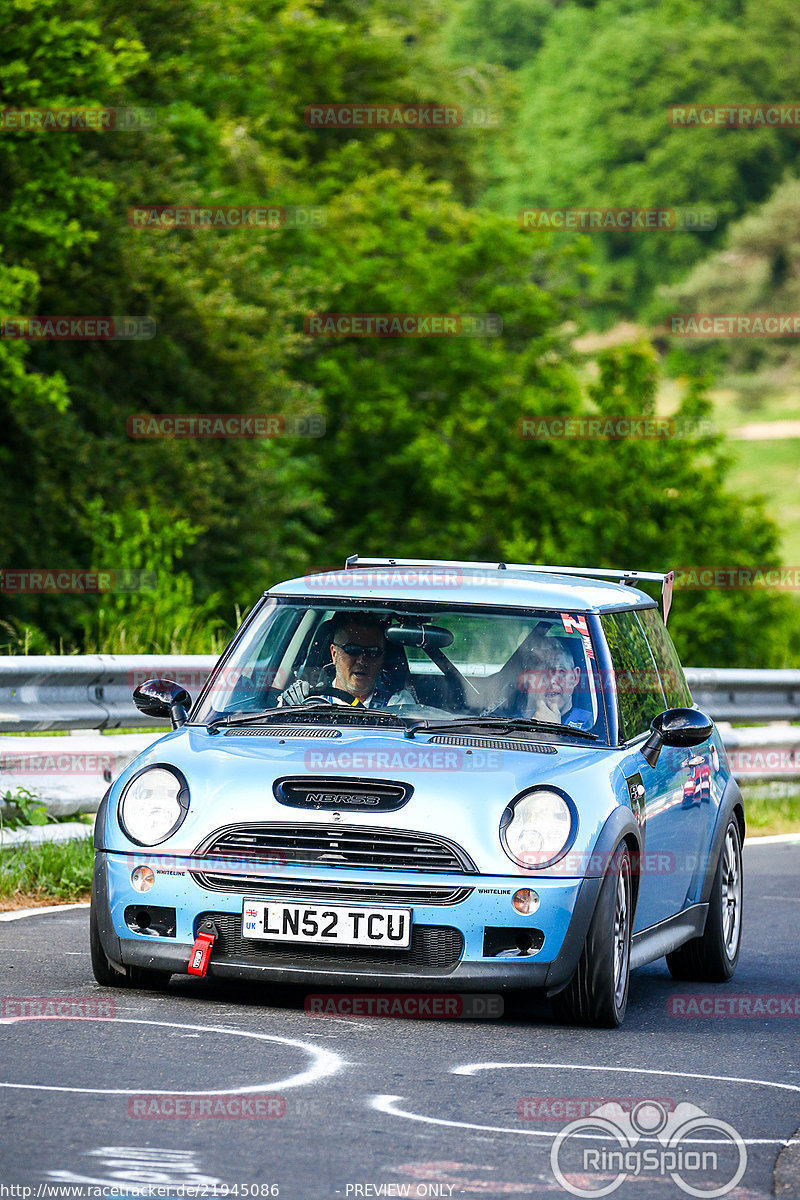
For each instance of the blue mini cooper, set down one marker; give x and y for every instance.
(448, 776)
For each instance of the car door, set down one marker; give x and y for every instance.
(671, 827)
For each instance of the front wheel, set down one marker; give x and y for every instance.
(712, 958)
(598, 992)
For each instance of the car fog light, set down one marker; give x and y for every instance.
(525, 901)
(142, 879)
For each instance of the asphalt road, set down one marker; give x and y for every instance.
(359, 1107)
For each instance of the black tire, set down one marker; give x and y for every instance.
(130, 977)
(712, 958)
(598, 992)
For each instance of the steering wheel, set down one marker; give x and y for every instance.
(322, 693)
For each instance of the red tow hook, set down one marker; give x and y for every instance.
(201, 950)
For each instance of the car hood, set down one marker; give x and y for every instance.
(460, 788)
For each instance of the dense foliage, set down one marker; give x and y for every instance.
(421, 453)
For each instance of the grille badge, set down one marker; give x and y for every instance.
(336, 794)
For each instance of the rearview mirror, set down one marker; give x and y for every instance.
(426, 637)
(676, 727)
(164, 700)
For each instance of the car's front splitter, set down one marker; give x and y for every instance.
(563, 917)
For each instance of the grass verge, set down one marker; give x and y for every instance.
(46, 873)
(772, 808)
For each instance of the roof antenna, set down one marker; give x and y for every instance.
(502, 567)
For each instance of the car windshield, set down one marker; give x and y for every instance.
(410, 662)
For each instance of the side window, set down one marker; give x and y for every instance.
(676, 689)
(638, 689)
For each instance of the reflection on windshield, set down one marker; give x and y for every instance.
(412, 663)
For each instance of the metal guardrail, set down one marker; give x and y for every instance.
(90, 691)
(93, 693)
(737, 695)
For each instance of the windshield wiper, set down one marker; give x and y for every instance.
(310, 710)
(501, 724)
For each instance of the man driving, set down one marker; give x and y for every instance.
(358, 648)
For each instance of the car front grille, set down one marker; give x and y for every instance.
(360, 846)
(332, 893)
(436, 949)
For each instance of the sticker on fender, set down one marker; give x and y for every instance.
(327, 924)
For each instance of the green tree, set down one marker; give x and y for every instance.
(593, 129)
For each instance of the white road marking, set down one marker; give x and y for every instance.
(473, 1068)
(324, 1062)
(772, 839)
(386, 1104)
(45, 908)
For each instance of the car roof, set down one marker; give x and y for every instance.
(462, 584)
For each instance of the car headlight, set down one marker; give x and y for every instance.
(153, 805)
(537, 828)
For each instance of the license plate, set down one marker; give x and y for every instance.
(327, 924)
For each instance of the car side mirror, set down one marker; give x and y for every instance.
(676, 727)
(164, 700)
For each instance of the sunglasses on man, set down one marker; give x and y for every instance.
(354, 650)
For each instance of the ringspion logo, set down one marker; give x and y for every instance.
(702, 1155)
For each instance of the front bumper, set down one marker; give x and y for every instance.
(563, 919)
